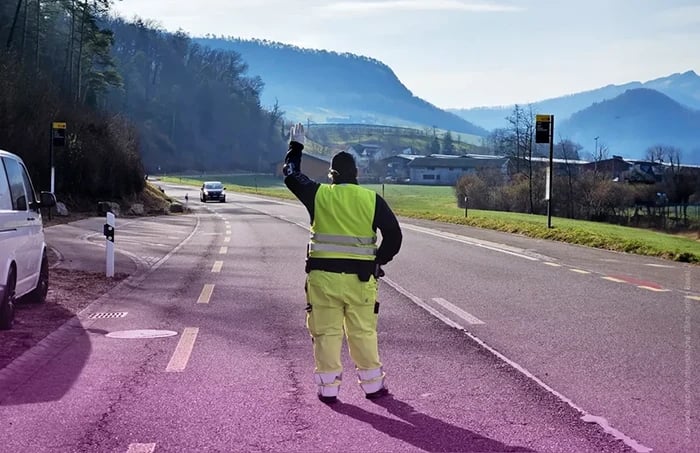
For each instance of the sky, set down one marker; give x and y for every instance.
(464, 53)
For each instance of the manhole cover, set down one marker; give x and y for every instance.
(141, 334)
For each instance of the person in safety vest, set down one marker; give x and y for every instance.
(343, 265)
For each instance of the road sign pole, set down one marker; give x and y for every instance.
(551, 171)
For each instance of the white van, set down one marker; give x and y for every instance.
(24, 267)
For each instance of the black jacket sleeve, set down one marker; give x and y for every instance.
(386, 222)
(298, 183)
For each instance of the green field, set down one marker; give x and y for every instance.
(438, 203)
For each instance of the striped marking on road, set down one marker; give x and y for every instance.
(223, 250)
(693, 298)
(205, 295)
(651, 288)
(613, 279)
(141, 448)
(227, 239)
(579, 271)
(178, 362)
(552, 264)
(458, 311)
(216, 268)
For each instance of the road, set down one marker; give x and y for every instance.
(491, 342)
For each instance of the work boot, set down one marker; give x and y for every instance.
(378, 394)
(328, 399)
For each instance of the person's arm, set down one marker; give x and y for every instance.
(298, 183)
(386, 222)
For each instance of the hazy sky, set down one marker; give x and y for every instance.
(463, 53)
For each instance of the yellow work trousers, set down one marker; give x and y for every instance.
(340, 303)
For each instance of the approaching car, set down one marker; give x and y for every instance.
(212, 190)
(24, 267)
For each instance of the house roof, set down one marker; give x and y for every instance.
(457, 162)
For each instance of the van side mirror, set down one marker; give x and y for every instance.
(47, 200)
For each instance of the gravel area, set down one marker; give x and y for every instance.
(69, 292)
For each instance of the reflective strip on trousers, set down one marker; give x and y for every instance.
(328, 383)
(371, 380)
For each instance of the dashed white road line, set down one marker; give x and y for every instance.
(223, 250)
(227, 239)
(579, 271)
(178, 362)
(206, 293)
(656, 290)
(216, 268)
(613, 279)
(458, 311)
(549, 263)
(693, 297)
(141, 448)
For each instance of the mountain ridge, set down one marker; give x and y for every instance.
(336, 87)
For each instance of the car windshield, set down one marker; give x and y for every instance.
(213, 185)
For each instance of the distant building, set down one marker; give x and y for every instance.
(443, 170)
(314, 166)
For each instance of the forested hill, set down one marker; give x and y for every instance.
(332, 87)
(197, 108)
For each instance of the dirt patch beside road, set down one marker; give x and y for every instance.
(69, 292)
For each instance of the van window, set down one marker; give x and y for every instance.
(5, 198)
(28, 187)
(16, 180)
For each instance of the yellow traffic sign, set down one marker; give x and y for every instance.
(543, 118)
(58, 125)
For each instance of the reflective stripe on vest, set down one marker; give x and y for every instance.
(342, 226)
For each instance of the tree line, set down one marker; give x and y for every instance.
(135, 98)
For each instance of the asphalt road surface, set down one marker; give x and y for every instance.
(491, 343)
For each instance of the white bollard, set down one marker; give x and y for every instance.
(109, 245)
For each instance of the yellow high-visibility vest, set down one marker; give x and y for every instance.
(342, 225)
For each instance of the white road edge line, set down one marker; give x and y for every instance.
(585, 416)
(458, 311)
(464, 240)
(178, 362)
(141, 448)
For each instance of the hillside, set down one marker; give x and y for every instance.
(329, 87)
(684, 88)
(635, 120)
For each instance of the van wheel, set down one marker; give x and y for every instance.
(7, 304)
(38, 294)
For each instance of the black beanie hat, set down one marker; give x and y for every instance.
(343, 168)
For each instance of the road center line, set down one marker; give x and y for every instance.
(223, 250)
(548, 263)
(458, 311)
(205, 295)
(613, 279)
(216, 268)
(227, 239)
(651, 288)
(178, 362)
(579, 271)
(693, 298)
